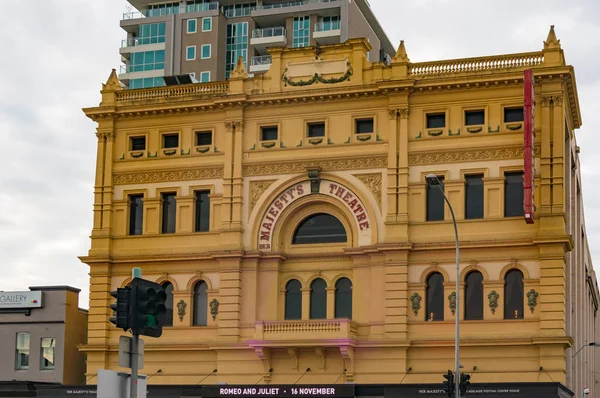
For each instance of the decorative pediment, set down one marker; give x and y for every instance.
(317, 71)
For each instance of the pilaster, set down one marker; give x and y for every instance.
(151, 224)
(396, 294)
(330, 302)
(230, 293)
(185, 214)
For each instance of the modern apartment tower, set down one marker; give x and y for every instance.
(205, 38)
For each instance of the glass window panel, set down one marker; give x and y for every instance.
(320, 228)
(200, 304)
(435, 202)
(269, 133)
(160, 56)
(162, 28)
(293, 300)
(364, 126)
(436, 120)
(168, 316)
(474, 117)
(474, 296)
(136, 212)
(138, 143)
(149, 57)
(154, 29)
(207, 24)
(204, 77)
(513, 115)
(202, 211)
(169, 209)
(203, 138)
(513, 295)
(318, 299)
(22, 351)
(343, 298)
(206, 51)
(513, 194)
(47, 354)
(474, 197)
(434, 306)
(191, 53)
(316, 129)
(170, 140)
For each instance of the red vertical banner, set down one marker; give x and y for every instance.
(528, 147)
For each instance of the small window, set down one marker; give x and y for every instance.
(293, 300)
(136, 214)
(474, 117)
(343, 298)
(190, 53)
(137, 143)
(268, 133)
(316, 129)
(474, 296)
(169, 211)
(22, 354)
(434, 303)
(435, 202)
(205, 51)
(320, 228)
(167, 317)
(513, 194)
(473, 197)
(47, 353)
(202, 223)
(191, 25)
(513, 115)
(364, 126)
(204, 77)
(203, 138)
(318, 299)
(436, 120)
(513, 294)
(206, 24)
(170, 141)
(200, 304)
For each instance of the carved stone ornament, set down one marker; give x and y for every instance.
(166, 176)
(314, 174)
(468, 155)
(181, 306)
(532, 296)
(214, 308)
(493, 299)
(354, 163)
(452, 302)
(415, 301)
(373, 182)
(257, 188)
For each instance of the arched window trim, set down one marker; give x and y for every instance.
(200, 298)
(318, 299)
(473, 305)
(434, 300)
(336, 228)
(343, 299)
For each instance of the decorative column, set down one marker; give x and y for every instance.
(151, 223)
(396, 294)
(185, 214)
(99, 183)
(305, 303)
(330, 302)
(230, 296)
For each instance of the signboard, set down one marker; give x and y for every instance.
(299, 391)
(528, 147)
(10, 300)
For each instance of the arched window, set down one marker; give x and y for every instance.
(343, 298)
(474, 296)
(318, 299)
(513, 294)
(168, 316)
(293, 300)
(319, 228)
(434, 306)
(200, 304)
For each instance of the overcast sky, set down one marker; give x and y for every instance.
(56, 54)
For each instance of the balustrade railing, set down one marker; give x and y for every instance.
(476, 64)
(213, 88)
(268, 32)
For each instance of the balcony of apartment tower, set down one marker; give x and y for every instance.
(327, 30)
(272, 13)
(152, 9)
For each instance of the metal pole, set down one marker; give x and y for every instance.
(135, 345)
(457, 318)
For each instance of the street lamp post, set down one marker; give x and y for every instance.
(592, 344)
(432, 179)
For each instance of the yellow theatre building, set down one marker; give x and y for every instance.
(289, 218)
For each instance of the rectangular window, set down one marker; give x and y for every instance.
(474, 118)
(136, 214)
(513, 115)
(204, 77)
(47, 353)
(147, 60)
(191, 25)
(329, 23)
(202, 211)
(513, 194)
(436, 120)
(169, 210)
(435, 202)
(146, 82)
(206, 24)
(22, 355)
(237, 46)
(301, 34)
(364, 126)
(170, 141)
(268, 133)
(150, 33)
(137, 143)
(473, 196)
(203, 138)
(316, 129)
(205, 51)
(190, 53)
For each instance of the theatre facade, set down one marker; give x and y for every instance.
(289, 218)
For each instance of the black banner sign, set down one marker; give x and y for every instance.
(298, 391)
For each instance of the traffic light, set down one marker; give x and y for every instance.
(120, 308)
(449, 383)
(464, 383)
(148, 303)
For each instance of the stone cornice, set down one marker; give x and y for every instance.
(146, 177)
(469, 155)
(291, 167)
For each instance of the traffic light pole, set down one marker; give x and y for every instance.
(135, 345)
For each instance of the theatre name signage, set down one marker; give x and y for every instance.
(338, 391)
(10, 300)
(343, 194)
